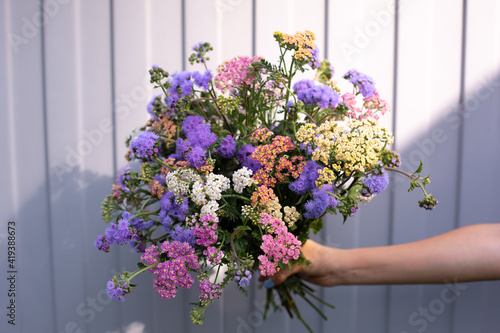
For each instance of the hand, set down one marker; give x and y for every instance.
(321, 270)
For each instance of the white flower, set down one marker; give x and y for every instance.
(241, 179)
(210, 208)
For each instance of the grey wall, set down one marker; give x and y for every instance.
(74, 83)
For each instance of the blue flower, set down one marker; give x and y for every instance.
(310, 93)
(202, 80)
(364, 83)
(118, 233)
(145, 145)
(151, 105)
(376, 183)
(183, 235)
(115, 291)
(245, 160)
(227, 147)
(196, 157)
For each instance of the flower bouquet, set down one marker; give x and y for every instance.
(236, 168)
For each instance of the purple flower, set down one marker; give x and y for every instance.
(101, 243)
(321, 201)
(227, 147)
(170, 207)
(118, 233)
(244, 158)
(123, 178)
(151, 106)
(307, 179)
(136, 222)
(191, 122)
(376, 183)
(364, 83)
(115, 291)
(310, 93)
(202, 80)
(145, 145)
(183, 235)
(315, 61)
(196, 157)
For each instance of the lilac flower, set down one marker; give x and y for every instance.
(307, 179)
(169, 206)
(115, 291)
(376, 183)
(315, 58)
(191, 122)
(101, 243)
(364, 83)
(321, 201)
(151, 106)
(196, 157)
(118, 233)
(136, 222)
(145, 145)
(202, 80)
(123, 178)
(227, 147)
(183, 235)
(310, 93)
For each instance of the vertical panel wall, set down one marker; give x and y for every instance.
(74, 83)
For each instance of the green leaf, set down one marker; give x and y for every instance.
(316, 225)
(141, 265)
(419, 169)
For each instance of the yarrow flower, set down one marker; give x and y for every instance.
(279, 247)
(235, 73)
(175, 271)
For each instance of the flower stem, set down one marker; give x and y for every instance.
(410, 176)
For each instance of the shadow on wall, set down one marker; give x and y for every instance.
(459, 151)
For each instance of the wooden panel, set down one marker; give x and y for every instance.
(24, 115)
(360, 35)
(479, 124)
(429, 58)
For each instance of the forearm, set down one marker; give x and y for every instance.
(466, 254)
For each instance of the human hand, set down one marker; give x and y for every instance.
(321, 271)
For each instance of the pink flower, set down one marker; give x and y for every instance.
(279, 247)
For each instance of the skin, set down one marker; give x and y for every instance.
(469, 253)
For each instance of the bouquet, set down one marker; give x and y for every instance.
(236, 168)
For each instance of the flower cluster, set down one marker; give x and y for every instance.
(235, 168)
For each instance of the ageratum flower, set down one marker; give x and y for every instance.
(145, 145)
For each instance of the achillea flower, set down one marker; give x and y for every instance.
(209, 291)
(279, 247)
(234, 74)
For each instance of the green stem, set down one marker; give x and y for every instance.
(410, 176)
(140, 271)
(237, 197)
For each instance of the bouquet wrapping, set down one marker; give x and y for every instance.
(235, 168)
